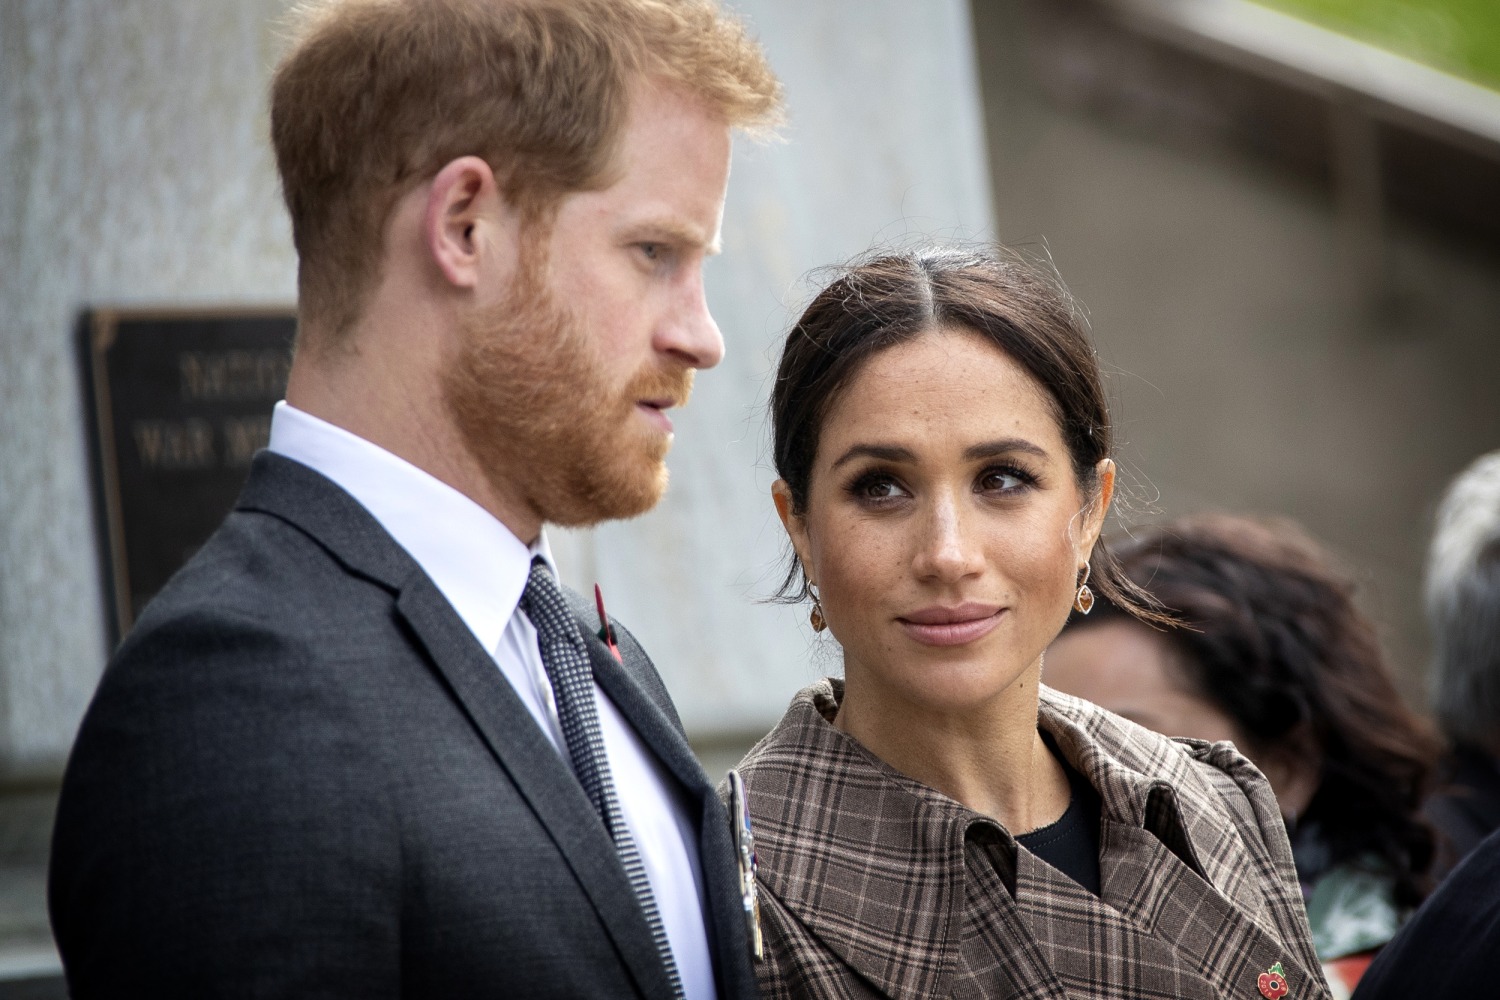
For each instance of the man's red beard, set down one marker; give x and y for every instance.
(534, 404)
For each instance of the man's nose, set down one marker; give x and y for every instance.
(689, 333)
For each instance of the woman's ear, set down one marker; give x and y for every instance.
(1097, 509)
(794, 523)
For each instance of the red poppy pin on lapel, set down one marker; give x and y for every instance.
(1272, 983)
(606, 633)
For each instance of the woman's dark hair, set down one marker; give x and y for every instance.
(1270, 635)
(881, 301)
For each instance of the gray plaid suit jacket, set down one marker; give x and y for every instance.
(874, 885)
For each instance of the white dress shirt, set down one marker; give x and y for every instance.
(482, 568)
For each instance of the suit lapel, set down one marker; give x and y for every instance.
(626, 685)
(664, 739)
(333, 519)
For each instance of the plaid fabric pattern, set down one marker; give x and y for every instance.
(873, 885)
(567, 663)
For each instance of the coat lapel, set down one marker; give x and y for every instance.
(1163, 904)
(1173, 860)
(333, 519)
(857, 854)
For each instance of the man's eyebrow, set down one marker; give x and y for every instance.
(1004, 446)
(671, 231)
(884, 452)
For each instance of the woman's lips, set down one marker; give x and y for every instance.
(951, 626)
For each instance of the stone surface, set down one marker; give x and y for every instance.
(136, 173)
(133, 132)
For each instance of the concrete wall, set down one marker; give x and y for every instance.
(137, 172)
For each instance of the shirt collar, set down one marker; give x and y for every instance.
(477, 563)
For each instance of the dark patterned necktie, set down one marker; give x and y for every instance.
(567, 663)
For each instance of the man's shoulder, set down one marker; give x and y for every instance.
(261, 606)
(254, 568)
(294, 549)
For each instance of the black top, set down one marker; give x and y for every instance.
(1071, 845)
(1450, 950)
(1466, 806)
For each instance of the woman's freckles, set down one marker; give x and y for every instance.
(943, 540)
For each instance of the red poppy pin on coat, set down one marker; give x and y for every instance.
(606, 633)
(1272, 983)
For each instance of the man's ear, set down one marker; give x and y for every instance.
(460, 227)
(795, 525)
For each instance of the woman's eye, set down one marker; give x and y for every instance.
(1003, 480)
(877, 488)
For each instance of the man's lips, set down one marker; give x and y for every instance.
(952, 624)
(655, 410)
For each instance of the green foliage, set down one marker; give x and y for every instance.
(1461, 37)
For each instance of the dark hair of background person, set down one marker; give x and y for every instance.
(1270, 632)
(1463, 608)
(889, 298)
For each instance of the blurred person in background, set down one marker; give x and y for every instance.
(1463, 611)
(1272, 655)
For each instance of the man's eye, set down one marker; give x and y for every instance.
(652, 251)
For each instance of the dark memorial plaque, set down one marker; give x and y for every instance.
(181, 403)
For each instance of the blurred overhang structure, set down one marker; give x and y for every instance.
(1384, 132)
(1381, 85)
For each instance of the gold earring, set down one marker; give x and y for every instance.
(815, 616)
(1083, 601)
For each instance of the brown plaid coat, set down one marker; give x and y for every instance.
(874, 885)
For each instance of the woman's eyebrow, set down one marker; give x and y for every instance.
(885, 452)
(1004, 446)
(973, 453)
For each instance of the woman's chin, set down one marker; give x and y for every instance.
(958, 687)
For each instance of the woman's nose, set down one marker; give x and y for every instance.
(947, 550)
